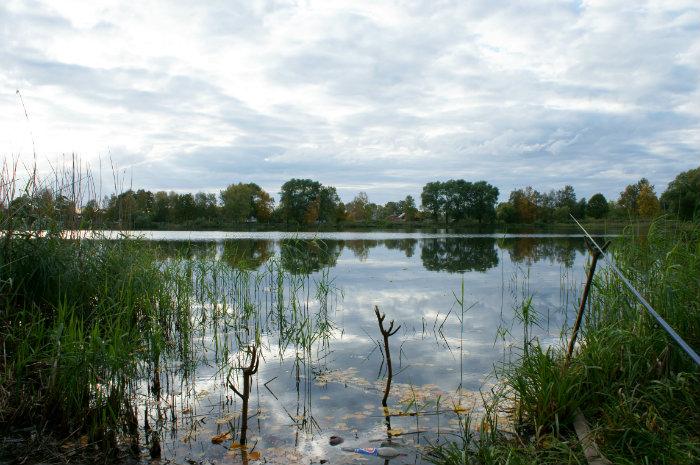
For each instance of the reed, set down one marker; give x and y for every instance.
(636, 388)
(86, 325)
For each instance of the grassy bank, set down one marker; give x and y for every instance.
(92, 331)
(635, 386)
(80, 322)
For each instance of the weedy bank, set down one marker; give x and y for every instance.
(91, 328)
(637, 389)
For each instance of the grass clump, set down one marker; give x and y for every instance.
(80, 321)
(635, 386)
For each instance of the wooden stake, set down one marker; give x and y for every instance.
(595, 254)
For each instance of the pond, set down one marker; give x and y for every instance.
(307, 304)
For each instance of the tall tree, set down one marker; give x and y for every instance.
(597, 206)
(647, 203)
(303, 201)
(524, 202)
(244, 201)
(629, 197)
(408, 208)
(682, 197)
(433, 199)
(358, 209)
(483, 201)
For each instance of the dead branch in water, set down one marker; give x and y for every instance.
(248, 373)
(386, 333)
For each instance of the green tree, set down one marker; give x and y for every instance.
(91, 213)
(359, 208)
(483, 201)
(162, 207)
(184, 208)
(407, 206)
(206, 205)
(390, 209)
(244, 201)
(303, 201)
(597, 206)
(433, 199)
(506, 213)
(682, 197)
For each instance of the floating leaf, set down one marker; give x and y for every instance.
(219, 438)
(324, 398)
(187, 411)
(461, 409)
(227, 418)
(395, 431)
(255, 455)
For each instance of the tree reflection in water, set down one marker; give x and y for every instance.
(247, 254)
(531, 250)
(308, 256)
(459, 254)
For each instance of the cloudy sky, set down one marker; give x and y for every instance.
(379, 96)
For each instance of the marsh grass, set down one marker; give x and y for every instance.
(637, 389)
(93, 331)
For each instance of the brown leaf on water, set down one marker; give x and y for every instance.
(255, 455)
(187, 411)
(235, 445)
(219, 438)
(461, 409)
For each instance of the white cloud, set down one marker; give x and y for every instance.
(382, 96)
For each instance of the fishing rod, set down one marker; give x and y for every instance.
(679, 340)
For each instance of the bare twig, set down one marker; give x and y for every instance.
(386, 333)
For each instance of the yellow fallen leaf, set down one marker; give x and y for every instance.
(459, 409)
(219, 438)
(395, 431)
(235, 445)
(324, 397)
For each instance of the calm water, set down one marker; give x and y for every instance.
(332, 386)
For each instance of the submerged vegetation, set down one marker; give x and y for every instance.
(634, 385)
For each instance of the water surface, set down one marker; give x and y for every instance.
(331, 383)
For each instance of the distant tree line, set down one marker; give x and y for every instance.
(305, 203)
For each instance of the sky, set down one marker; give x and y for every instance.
(380, 97)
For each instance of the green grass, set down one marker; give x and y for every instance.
(87, 324)
(636, 387)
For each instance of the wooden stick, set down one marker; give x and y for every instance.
(590, 448)
(595, 254)
(386, 333)
(248, 373)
